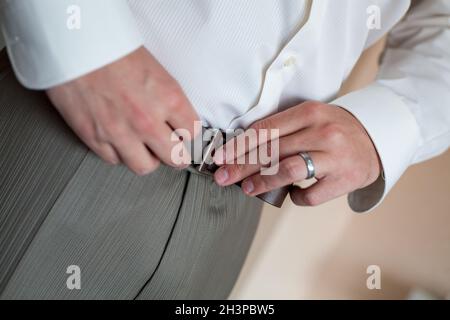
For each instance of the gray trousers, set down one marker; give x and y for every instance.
(170, 235)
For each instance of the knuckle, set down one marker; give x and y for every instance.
(113, 129)
(174, 99)
(128, 100)
(312, 109)
(133, 108)
(312, 104)
(333, 133)
(144, 126)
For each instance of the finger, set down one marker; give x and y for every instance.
(267, 155)
(307, 139)
(86, 131)
(247, 164)
(243, 143)
(155, 123)
(292, 119)
(322, 191)
(231, 174)
(135, 155)
(164, 143)
(183, 116)
(290, 170)
(106, 152)
(271, 128)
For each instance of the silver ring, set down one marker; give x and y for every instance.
(311, 171)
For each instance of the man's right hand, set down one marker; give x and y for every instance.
(127, 111)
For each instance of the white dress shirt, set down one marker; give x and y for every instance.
(241, 61)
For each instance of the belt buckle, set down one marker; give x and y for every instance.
(216, 140)
(206, 166)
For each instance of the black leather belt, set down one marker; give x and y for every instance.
(203, 162)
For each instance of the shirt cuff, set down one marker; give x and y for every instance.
(47, 47)
(394, 133)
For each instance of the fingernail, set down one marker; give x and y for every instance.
(222, 176)
(144, 172)
(113, 162)
(248, 186)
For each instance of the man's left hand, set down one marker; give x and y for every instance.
(344, 156)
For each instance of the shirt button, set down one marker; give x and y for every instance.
(289, 62)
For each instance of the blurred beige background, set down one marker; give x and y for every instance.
(324, 252)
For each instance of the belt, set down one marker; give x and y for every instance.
(202, 162)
